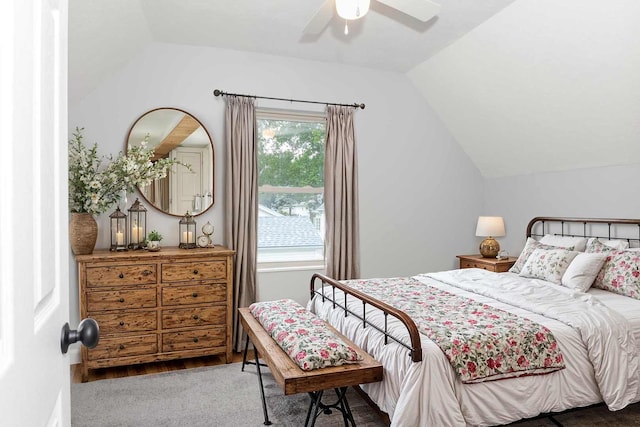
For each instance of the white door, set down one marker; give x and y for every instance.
(34, 248)
(186, 184)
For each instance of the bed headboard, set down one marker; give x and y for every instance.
(603, 228)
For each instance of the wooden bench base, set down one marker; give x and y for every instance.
(294, 380)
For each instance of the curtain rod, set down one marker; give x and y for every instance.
(218, 92)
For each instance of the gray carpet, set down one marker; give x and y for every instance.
(225, 396)
(210, 396)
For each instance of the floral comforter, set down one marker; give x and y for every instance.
(481, 342)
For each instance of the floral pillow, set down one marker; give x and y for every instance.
(597, 246)
(620, 273)
(529, 247)
(307, 339)
(548, 264)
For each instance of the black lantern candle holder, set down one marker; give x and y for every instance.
(187, 232)
(137, 225)
(118, 227)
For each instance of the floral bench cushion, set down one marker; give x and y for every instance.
(302, 335)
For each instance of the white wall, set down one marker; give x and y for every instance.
(419, 193)
(542, 86)
(607, 192)
(292, 284)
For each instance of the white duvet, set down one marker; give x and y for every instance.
(597, 343)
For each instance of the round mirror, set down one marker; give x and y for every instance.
(174, 133)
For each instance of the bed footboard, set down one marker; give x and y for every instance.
(414, 344)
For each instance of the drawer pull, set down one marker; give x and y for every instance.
(195, 340)
(121, 275)
(121, 346)
(195, 295)
(195, 317)
(121, 299)
(147, 272)
(195, 271)
(121, 323)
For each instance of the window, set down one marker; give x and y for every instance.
(290, 186)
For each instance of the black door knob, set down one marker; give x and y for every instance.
(88, 334)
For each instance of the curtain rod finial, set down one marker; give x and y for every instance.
(361, 106)
(218, 92)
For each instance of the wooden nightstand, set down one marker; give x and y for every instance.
(490, 264)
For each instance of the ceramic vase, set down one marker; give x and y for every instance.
(83, 233)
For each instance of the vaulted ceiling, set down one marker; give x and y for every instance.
(524, 86)
(103, 35)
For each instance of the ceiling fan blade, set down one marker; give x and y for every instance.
(320, 19)
(422, 10)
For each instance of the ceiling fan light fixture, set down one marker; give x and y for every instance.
(352, 9)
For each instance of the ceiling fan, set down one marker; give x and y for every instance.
(422, 10)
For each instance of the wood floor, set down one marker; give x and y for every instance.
(151, 368)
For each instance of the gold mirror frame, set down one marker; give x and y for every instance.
(177, 133)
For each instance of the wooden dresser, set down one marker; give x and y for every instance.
(153, 306)
(491, 264)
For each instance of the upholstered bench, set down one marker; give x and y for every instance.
(322, 371)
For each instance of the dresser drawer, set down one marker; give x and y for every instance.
(113, 300)
(491, 264)
(132, 345)
(133, 274)
(138, 321)
(189, 271)
(193, 340)
(473, 264)
(194, 316)
(193, 294)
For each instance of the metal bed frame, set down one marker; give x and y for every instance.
(614, 228)
(414, 347)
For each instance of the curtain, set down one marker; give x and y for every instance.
(241, 202)
(163, 193)
(342, 239)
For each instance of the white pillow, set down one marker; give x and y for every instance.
(578, 243)
(614, 243)
(548, 264)
(583, 271)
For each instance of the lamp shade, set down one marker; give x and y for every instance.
(352, 9)
(490, 226)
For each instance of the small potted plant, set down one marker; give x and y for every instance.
(153, 241)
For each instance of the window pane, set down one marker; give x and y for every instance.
(290, 189)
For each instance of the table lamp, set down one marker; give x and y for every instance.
(490, 227)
